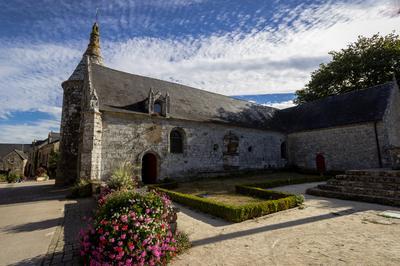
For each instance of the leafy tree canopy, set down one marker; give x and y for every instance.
(365, 63)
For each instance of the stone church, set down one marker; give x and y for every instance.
(170, 130)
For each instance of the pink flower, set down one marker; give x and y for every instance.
(143, 254)
(147, 210)
(120, 243)
(124, 218)
(123, 236)
(116, 227)
(131, 246)
(112, 240)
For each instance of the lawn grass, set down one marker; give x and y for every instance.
(226, 185)
(231, 198)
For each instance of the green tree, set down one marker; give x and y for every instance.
(365, 63)
(53, 161)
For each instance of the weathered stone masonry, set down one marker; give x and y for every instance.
(69, 131)
(129, 137)
(347, 147)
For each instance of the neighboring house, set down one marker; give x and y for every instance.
(42, 152)
(171, 130)
(13, 158)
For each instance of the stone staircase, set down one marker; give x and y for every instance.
(376, 186)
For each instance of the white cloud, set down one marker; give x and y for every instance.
(26, 133)
(280, 105)
(271, 60)
(267, 61)
(31, 80)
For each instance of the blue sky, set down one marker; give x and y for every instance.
(242, 47)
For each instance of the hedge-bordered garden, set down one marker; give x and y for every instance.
(274, 201)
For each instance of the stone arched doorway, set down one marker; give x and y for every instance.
(149, 168)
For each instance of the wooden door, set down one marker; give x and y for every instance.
(149, 168)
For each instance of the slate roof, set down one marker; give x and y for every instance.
(6, 148)
(349, 108)
(22, 154)
(123, 92)
(53, 137)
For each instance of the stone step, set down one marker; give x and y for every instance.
(362, 191)
(353, 196)
(370, 179)
(378, 185)
(374, 172)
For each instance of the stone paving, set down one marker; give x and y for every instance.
(64, 247)
(39, 226)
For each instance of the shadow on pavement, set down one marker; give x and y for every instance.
(271, 227)
(30, 192)
(29, 227)
(201, 216)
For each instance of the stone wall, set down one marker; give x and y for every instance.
(128, 137)
(69, 132)
(391, 126)
(347, 147)
(14, 163)
(90, 148)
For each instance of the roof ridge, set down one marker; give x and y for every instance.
(204, 91)
(339, 95)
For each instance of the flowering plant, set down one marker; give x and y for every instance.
(129, 229)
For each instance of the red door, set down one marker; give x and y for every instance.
(149, 168)
(320, 162)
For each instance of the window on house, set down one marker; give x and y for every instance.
(157, 108)
(176, 141)
(283, 150)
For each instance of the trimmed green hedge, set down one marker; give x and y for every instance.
(168, 185)
(235, 213)
(260, 192)
(285, 182)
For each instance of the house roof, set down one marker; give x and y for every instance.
(22, 154)
(53, 137)
(360, 106)
(123, 92)
(6, 148)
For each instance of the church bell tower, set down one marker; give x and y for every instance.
(67, 171)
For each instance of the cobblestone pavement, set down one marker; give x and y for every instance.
(64, 247)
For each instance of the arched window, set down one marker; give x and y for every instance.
(231, 143)
(158, 108)
(283, 150)
(176, 141)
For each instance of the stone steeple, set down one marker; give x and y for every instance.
(93, 51)
(72, 113)
(93, 48)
